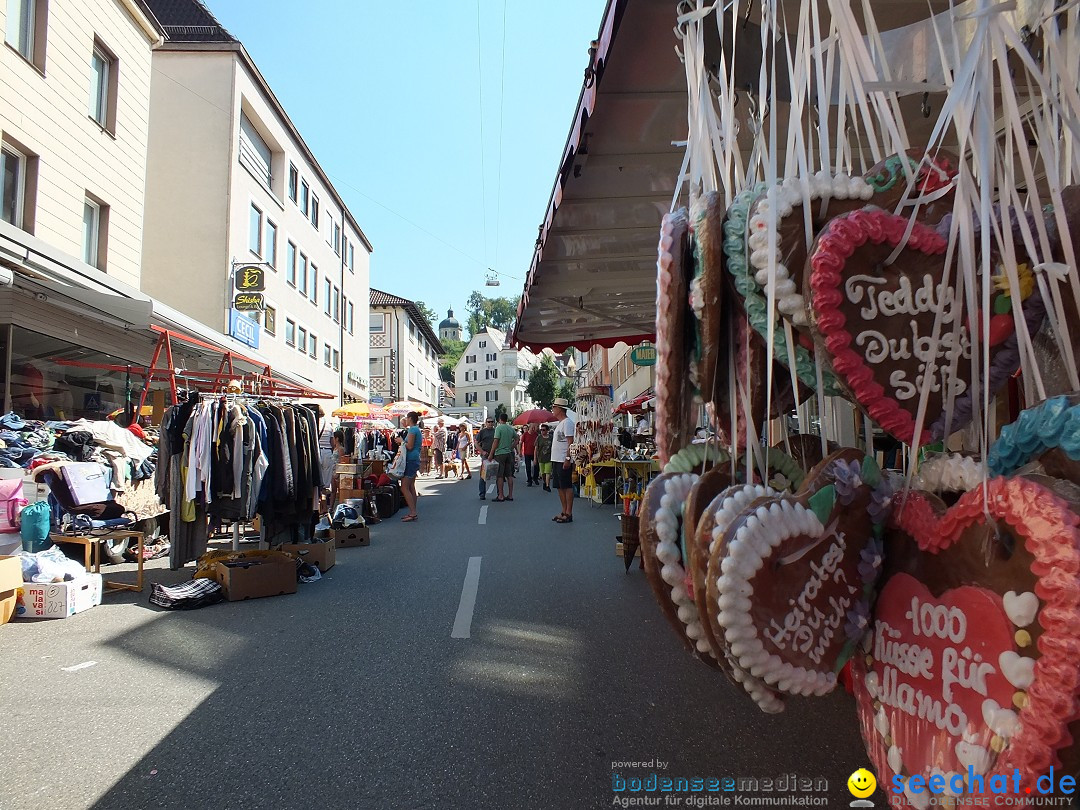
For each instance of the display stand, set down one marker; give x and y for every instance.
(92, 543)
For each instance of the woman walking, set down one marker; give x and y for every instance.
(411, 448)
(463, 447)
(543, 457)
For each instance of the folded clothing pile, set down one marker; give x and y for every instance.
(50, 565)
(187, 595)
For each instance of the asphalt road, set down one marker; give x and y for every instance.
(353, 694)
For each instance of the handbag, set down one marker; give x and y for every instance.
(11, 502)
(397, 466)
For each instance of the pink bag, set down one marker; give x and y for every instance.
(11, 503)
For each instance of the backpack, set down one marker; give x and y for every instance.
(11, 503)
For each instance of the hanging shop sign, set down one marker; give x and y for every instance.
(249, 302)
(244, 329)
(249, 278)
(376, 400)
(644, 355)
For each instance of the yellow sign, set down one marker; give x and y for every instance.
(249, 302)
(643, 356)
(250, 278)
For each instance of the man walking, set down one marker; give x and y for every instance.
(562, 467)
(438, 447)
(502, 452)
(484, 439)
(528, 450)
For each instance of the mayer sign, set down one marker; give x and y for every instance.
(643, 356)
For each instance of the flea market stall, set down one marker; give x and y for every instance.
(862, 281)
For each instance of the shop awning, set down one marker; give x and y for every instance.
(593, 275)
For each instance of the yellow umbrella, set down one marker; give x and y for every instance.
(355, 410)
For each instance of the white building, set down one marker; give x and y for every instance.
(449, 327)
(231, 182)
(490, 374)
(405, 352)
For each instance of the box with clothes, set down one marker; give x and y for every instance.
(58, 600)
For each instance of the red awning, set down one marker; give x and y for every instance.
(635, 405)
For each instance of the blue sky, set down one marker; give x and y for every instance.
(387, 95)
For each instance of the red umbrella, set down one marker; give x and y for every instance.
(635, 405)
(537, 416)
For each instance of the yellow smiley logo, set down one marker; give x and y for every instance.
(861, 783)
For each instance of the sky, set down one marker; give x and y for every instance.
(388, 97)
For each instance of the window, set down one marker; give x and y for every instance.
(412, 373)
(255, 227)
(270, 320)
(303, 274)
(376, 367)
(315, 211)
(337, 239)
(26, 20)
(491, 396)
(312, 346)
(290, 263)
(290, 332)
(350, 318)
(305, 193)
(491, 357)
(352, 256)
(376, 322)
(94, 235)
(470, 358)
(326, 296)
(254, 152)
(326, 354)
(301, 339)
(336, 359)
(313, 282)
(13, 187)
(294, 181)
(104, 69)
(337, 304)
(271, 244)
(482, 344)
(494, 374)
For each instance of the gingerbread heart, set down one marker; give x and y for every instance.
(707, 291)
(660, 534)
(875, 322)
(674, 427)
(972, 662)
(1048, 433)
(797, 573)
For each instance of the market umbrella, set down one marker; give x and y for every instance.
(635, 405)
(405, 406)
(374, 423)
(356, 410)
(536, 416)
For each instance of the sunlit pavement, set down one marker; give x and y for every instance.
(353, 694)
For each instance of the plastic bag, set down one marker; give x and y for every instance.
(50, 565)
(397, 466)
(35, 523)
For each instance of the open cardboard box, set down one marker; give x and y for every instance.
(10, 582)
(257, 577)
(350, 538)
(322, 554)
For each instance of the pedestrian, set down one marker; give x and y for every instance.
(502, 452)
(438, 447)
(484, 440)
(528, 450)
(463, 446)
(411, 448)
(543, 456)
(562, 466)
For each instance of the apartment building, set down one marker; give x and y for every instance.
(491, 373)
(405, 352)
(232, 184)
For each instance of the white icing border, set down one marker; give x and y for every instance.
(760, 534)
(785, 196)
(733, 504)
(667, 520)
(950, 473)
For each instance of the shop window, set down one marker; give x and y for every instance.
(271, 244)
(26, 29)
(255, 229)
(294, 181)
(290, 263)
(104, 74)
(95, 232)
(18, 183)
(290, 332)
(270, 320)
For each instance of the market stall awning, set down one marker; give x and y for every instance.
(593, 275)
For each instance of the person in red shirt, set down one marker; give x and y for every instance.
(528, 447)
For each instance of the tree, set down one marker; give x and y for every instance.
(454, 350)
(498, 312)
(428, 313)
(568, 392)
(543, 382)
(500, 409)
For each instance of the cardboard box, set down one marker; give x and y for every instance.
(350, 538)
(347, 469)
(346, 481)
(348, 494)
(374, 467)
(10, 582)
(58, 600)
(322, 554)
(253, 578)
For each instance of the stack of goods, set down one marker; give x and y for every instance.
(595, 438)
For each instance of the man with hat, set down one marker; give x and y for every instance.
(484, 439)
(562, 466)
(438, 447)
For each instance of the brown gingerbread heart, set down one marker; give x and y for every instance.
(674, 425)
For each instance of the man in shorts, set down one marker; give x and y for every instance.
(562, 466)
(438, 447)
(484, 440)
(502, 452)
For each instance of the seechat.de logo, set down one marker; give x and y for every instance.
(862, 784)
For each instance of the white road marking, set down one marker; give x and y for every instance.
(483, 515)
(77, 667)
(463, 620)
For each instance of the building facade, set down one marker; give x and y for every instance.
(258, 198)
(490, 374)
(449, 327)
(405, 352)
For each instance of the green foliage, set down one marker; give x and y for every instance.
(429, 314)
(543, 383)
(454, 350)
(568, 392)
(500, 409)
(498, 312)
